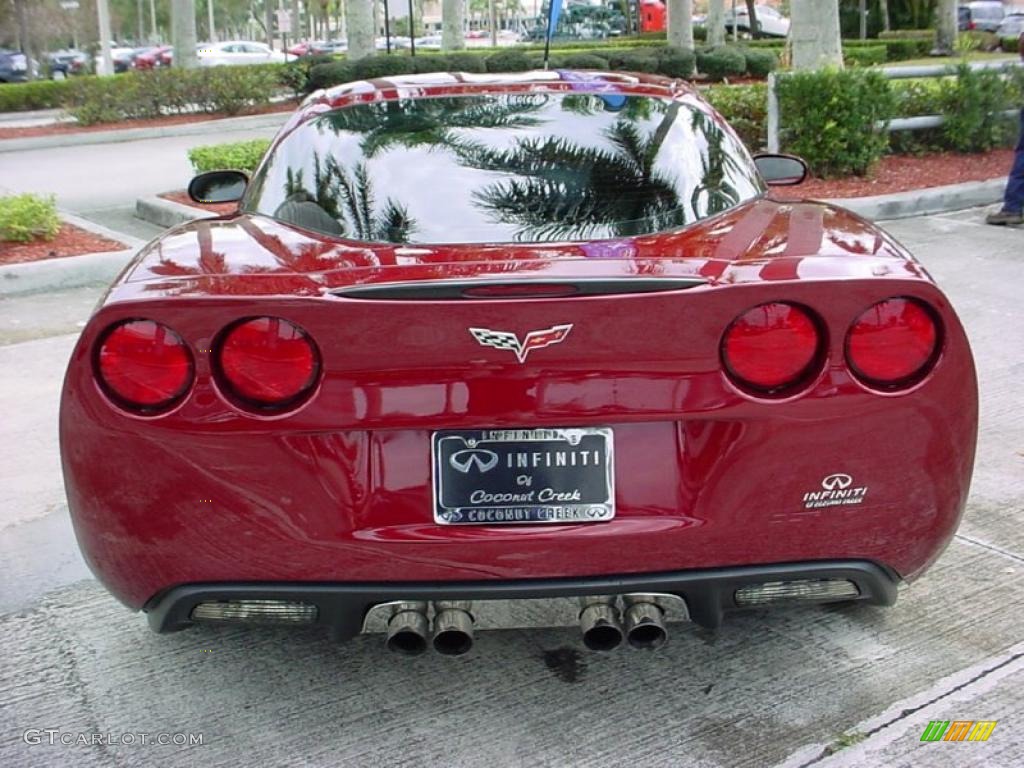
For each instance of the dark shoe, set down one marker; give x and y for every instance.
(1004, 218)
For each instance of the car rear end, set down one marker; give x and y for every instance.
(773, 404)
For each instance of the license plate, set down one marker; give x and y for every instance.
(504, 476)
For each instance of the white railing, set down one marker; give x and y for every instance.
(890, 73)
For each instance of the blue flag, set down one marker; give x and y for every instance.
(554, 11)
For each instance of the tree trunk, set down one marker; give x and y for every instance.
(680, 23)
(452, 14)
(269, 27)
(883, 7)
(183, 33)
(493, 21)
(755, 27)
(359, 20)
(814, 34)
(716, 23)
(945, 27)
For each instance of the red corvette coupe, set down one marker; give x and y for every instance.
(471, 341)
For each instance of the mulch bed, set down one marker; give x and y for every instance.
(214, 208)
(70, 241)
(62, 128)
(900, 173)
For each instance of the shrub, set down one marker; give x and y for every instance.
(746, 109)
(900, 49)
(135, 95)
(327, 75)
(1009, 44)
(924, 39)
(465, 62)
(585, 61)
(865, 56)
(829, 119)
(381, 66)
(760, 62)
(676, 62)
(720, 63)
(295, 74)
(24, 218)
(237, 155)
(509, 60)
(971, 104)
(43, 94)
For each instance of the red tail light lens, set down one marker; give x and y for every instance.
(268, 362)
(893, 343)
(771, 347)
(144, 365)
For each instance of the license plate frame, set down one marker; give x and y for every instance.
(568, 477)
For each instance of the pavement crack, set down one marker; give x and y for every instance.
(990, 547)
(834, 747)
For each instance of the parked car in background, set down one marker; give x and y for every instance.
(770, 22)
(1012, 25)
(62, 64)
(983, 15)
(121, 56)
(237, 52)
(13, 66)
(327, 47)
(152, 57)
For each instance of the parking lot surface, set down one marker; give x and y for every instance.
(833, 686)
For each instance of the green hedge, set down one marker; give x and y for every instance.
(1009, 44)
(829, 116)
(24, 218)
(671, 62)
(745, 107)
(136, 95)
(42, 94)
(865, 56)
(720, 63)
(237, 155)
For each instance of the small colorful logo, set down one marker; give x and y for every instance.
(958, 730)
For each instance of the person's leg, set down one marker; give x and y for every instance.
(1013, 198)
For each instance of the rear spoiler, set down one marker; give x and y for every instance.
(515, 288)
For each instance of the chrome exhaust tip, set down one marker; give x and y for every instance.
(599, 623)
(453, 627)
(645, 622)
(407, 629)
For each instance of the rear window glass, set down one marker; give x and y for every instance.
(531, 167)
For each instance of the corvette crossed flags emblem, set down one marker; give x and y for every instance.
(533, 340)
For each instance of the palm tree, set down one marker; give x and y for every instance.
(453, 19)
(814, 34)
(561, 190)
(430, 122)
(348, 199)
(680, 23)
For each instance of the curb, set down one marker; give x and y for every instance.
(921, 202)
(166, 213)
(228, 125)
(72, 271)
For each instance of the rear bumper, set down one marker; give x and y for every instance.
(342, 608)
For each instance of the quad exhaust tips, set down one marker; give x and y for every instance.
(645, 622)
(453, 627)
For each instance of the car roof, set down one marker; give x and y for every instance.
(455, 83)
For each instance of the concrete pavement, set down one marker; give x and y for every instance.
(845, 686)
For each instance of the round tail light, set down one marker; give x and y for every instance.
(771, 347)
(144, 366)
(268, 362)
(893, 343)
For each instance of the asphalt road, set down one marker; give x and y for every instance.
(805, 687)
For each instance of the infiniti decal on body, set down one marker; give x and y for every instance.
(836, 490)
